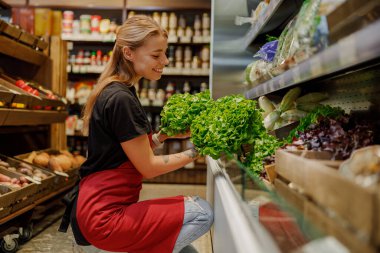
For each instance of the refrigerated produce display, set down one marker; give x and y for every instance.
(312, 67)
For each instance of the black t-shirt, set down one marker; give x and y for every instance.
(117, 116)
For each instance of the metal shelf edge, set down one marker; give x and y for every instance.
(261, 22)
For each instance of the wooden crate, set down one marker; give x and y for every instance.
(355, 209)
(46, 185)
(7, 198)
(23, 196)
(59, 180)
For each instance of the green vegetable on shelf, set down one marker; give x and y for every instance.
(313, 116)
(226, 125)
(307, 107)
(293, 115)
(266, 105)
(271, 119)
(313, 97)
(288, 100)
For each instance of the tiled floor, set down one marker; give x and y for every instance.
(49, 240)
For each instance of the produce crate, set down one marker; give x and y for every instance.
(23, 196)
(60, 181)
(46, 185)
(337, 205)
(7, 198)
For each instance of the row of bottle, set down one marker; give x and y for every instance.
(185, 58)
(150, 94)
(179, 26)
(179, 58)
(87, 24)
(87, 57)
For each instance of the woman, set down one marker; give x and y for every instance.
(107, 212)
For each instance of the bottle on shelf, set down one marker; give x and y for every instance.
(165, 20)
(160, 97)
(178, 58)
(187, 57)
(172, 27)
(205, 26)
(197, 29)
(170, 89)
(171, 53)
(204, 86)
(156, 17)
(186, 87)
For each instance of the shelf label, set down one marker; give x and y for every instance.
(281, 81)
(296, 74)
(315, 66)
(347, 50)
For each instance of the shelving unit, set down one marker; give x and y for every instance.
(22, 52)
(348, 72)
(350, 52)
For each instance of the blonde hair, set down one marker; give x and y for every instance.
(133, 34)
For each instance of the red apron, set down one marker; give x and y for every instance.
(111, 219)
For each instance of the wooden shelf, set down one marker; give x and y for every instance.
(19, 51)
(17, 117)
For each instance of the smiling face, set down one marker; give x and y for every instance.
(150, 59)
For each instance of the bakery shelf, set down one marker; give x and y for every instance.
(347, 53)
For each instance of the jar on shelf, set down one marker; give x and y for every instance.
(76, 27)
(95, 23)
(113, 26)
(104, 26)
(85, 24)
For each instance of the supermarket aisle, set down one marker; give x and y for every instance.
(47, 239)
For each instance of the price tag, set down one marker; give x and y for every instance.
(64, 174)
(265, 86)
(315, 66)
(254, 206)
(296, 74)
(281, 81)
(347, 51)
(271, 86)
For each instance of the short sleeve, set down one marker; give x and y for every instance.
(125, 117)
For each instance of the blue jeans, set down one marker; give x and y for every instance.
(197, 220)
